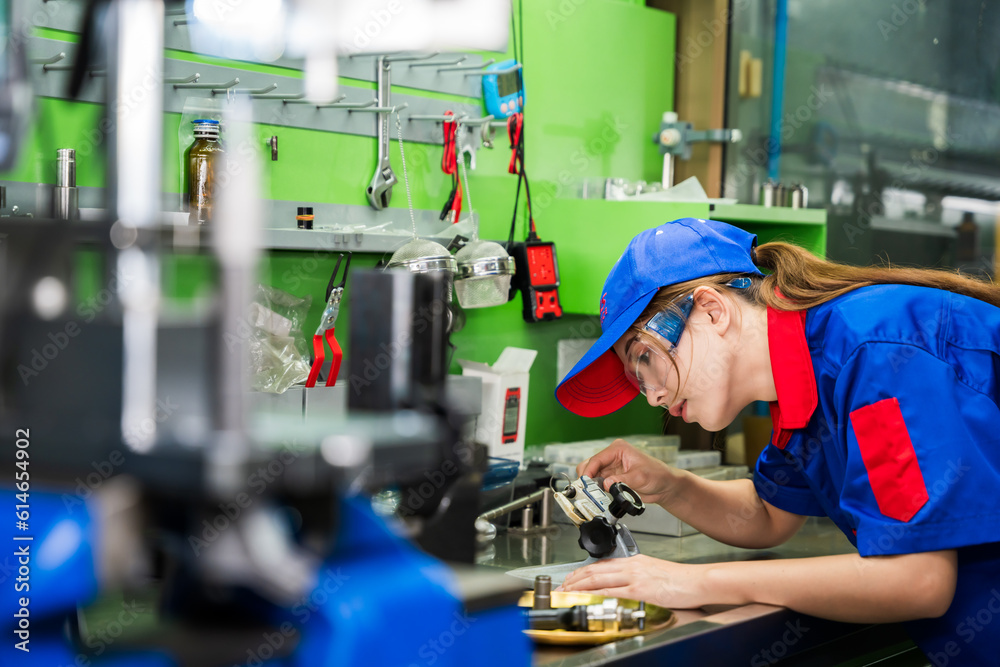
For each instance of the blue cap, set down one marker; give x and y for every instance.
(666, 255)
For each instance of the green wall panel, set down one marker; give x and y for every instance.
(598, 77)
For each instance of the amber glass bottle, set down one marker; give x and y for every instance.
(204, 158)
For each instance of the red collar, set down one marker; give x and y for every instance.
(792, 369)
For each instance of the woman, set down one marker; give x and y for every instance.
(883, 386)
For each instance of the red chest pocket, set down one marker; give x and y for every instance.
(887, 452)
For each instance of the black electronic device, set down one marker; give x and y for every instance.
(537, 277)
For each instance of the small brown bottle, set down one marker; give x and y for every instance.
(204, 158)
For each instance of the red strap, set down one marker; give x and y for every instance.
(514, 126)
(888, 455)
(338, 356)
(318, 353)
(449, 161)
(456, 206)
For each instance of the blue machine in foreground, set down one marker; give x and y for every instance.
(276, 559)
(378, 600)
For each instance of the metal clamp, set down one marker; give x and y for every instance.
(209, 86)
(469, 68)
(437, 63)
(244, 91)
(506, 70)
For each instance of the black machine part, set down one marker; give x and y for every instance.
(597, 537)
(563, 618)
(624, 501)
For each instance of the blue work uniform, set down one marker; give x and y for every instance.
(887, 421)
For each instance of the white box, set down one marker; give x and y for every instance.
(690, 459)
(500, 425)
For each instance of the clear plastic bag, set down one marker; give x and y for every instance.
(279, 356)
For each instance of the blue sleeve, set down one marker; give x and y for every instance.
(783, 485)
(922, 465)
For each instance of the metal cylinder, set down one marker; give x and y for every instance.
(545, 520)
(543, 592)
(66, 168)
(65, 203)
(798, 196)
(65, 196)
(795, 197)
(767, 194)
(668, 171)
(780, 194)
(527, 517)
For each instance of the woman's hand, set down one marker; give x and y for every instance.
(660, 582)
(621, 462)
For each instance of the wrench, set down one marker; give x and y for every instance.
(380, 189)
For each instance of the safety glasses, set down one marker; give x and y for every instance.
(647, 367)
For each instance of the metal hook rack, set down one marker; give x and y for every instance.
(479, 121)
(45, 62)
(437, 63)
(349, 105)
(284, 97)
(380, 54)
(246, 91)
(49, 65)
(398, 107)
(300, 99)
(188, 79)
(209, 86)
(506, 70)
(439, 119)
(469, 68)
(398, 59)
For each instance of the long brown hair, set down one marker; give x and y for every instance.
(798, 280)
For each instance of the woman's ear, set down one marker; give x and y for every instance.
(715, 306)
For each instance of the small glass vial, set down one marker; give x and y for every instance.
(203, 160)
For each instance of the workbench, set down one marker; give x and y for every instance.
(754, 634)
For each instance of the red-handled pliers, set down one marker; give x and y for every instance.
(325, 331)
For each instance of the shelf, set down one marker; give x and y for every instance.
(771, 215)
(463, 395)
(590, 235)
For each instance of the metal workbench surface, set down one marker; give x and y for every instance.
(752, 634)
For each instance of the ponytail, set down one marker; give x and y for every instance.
(803, 280)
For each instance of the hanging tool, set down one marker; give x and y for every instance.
(325, 331)
(449, 165)
(380, 189)
(537, 270)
